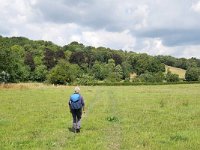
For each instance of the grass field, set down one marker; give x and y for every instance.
(122, 117)
(178, 71)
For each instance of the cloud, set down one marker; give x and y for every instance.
(190, 51)
(174, 37)
(119, 40)
(196, 7)
(155, 27)
(110, 15)
(155, 46)
(60, 34)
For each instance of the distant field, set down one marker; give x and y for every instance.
(178, 71)
(120, 117)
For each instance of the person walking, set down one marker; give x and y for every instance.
(76, 106)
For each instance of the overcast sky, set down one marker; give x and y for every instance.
(167, 27)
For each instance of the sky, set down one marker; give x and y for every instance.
(156, 27)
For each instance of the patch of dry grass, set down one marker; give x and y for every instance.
(178, 71)
(28, 86)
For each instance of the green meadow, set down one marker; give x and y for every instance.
(116, 118)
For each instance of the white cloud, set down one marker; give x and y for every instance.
(196, 7)
(164, 27)
(190, 51)
(155, 47)
(16, 11)
(60, 34)
(114, 40)
(63, 34)
(141, 13)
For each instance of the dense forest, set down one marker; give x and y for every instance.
(24, 60)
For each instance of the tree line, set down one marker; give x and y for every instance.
(23, 60)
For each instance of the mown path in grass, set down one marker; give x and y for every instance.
(97, 131)
(120, 117)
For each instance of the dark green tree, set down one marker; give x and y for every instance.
(29, 61)
(103, 55)
(99, 71)
(152, 77)
(74, 46)
(63, 73)
(59, 55)
(192, 74)
(49, 60)
(4, 77)
(155, 66)
(126, 69)
(89, 56)
(40, 73)
(117, 58)
(170, 77)
(118, 73)
(77, 58)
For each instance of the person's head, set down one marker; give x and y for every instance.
(76, 89)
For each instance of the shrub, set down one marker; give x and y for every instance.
(152, 77)
(192, 74)
(146, 77)
(86, 80)
(112, 119)
(40, 73)
(170, 77)
(4, 77)
(63, 73)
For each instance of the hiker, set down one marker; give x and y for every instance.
(76, 105)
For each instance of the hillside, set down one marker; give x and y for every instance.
(75, 63)
(175, 70)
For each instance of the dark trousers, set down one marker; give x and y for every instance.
(76, 114)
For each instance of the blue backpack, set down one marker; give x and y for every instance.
(75, 101)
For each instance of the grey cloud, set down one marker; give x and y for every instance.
(4, 30)
(172, 21)
(61, 11)
(173, 37)
(4, 26)
(110, 15)
(116, 16)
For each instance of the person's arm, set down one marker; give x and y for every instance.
(70, 107)
(83, 104)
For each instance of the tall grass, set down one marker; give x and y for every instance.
(117, 117)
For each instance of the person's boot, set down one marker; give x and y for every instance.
(78, 125)
(74, 127)
(78, 130)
